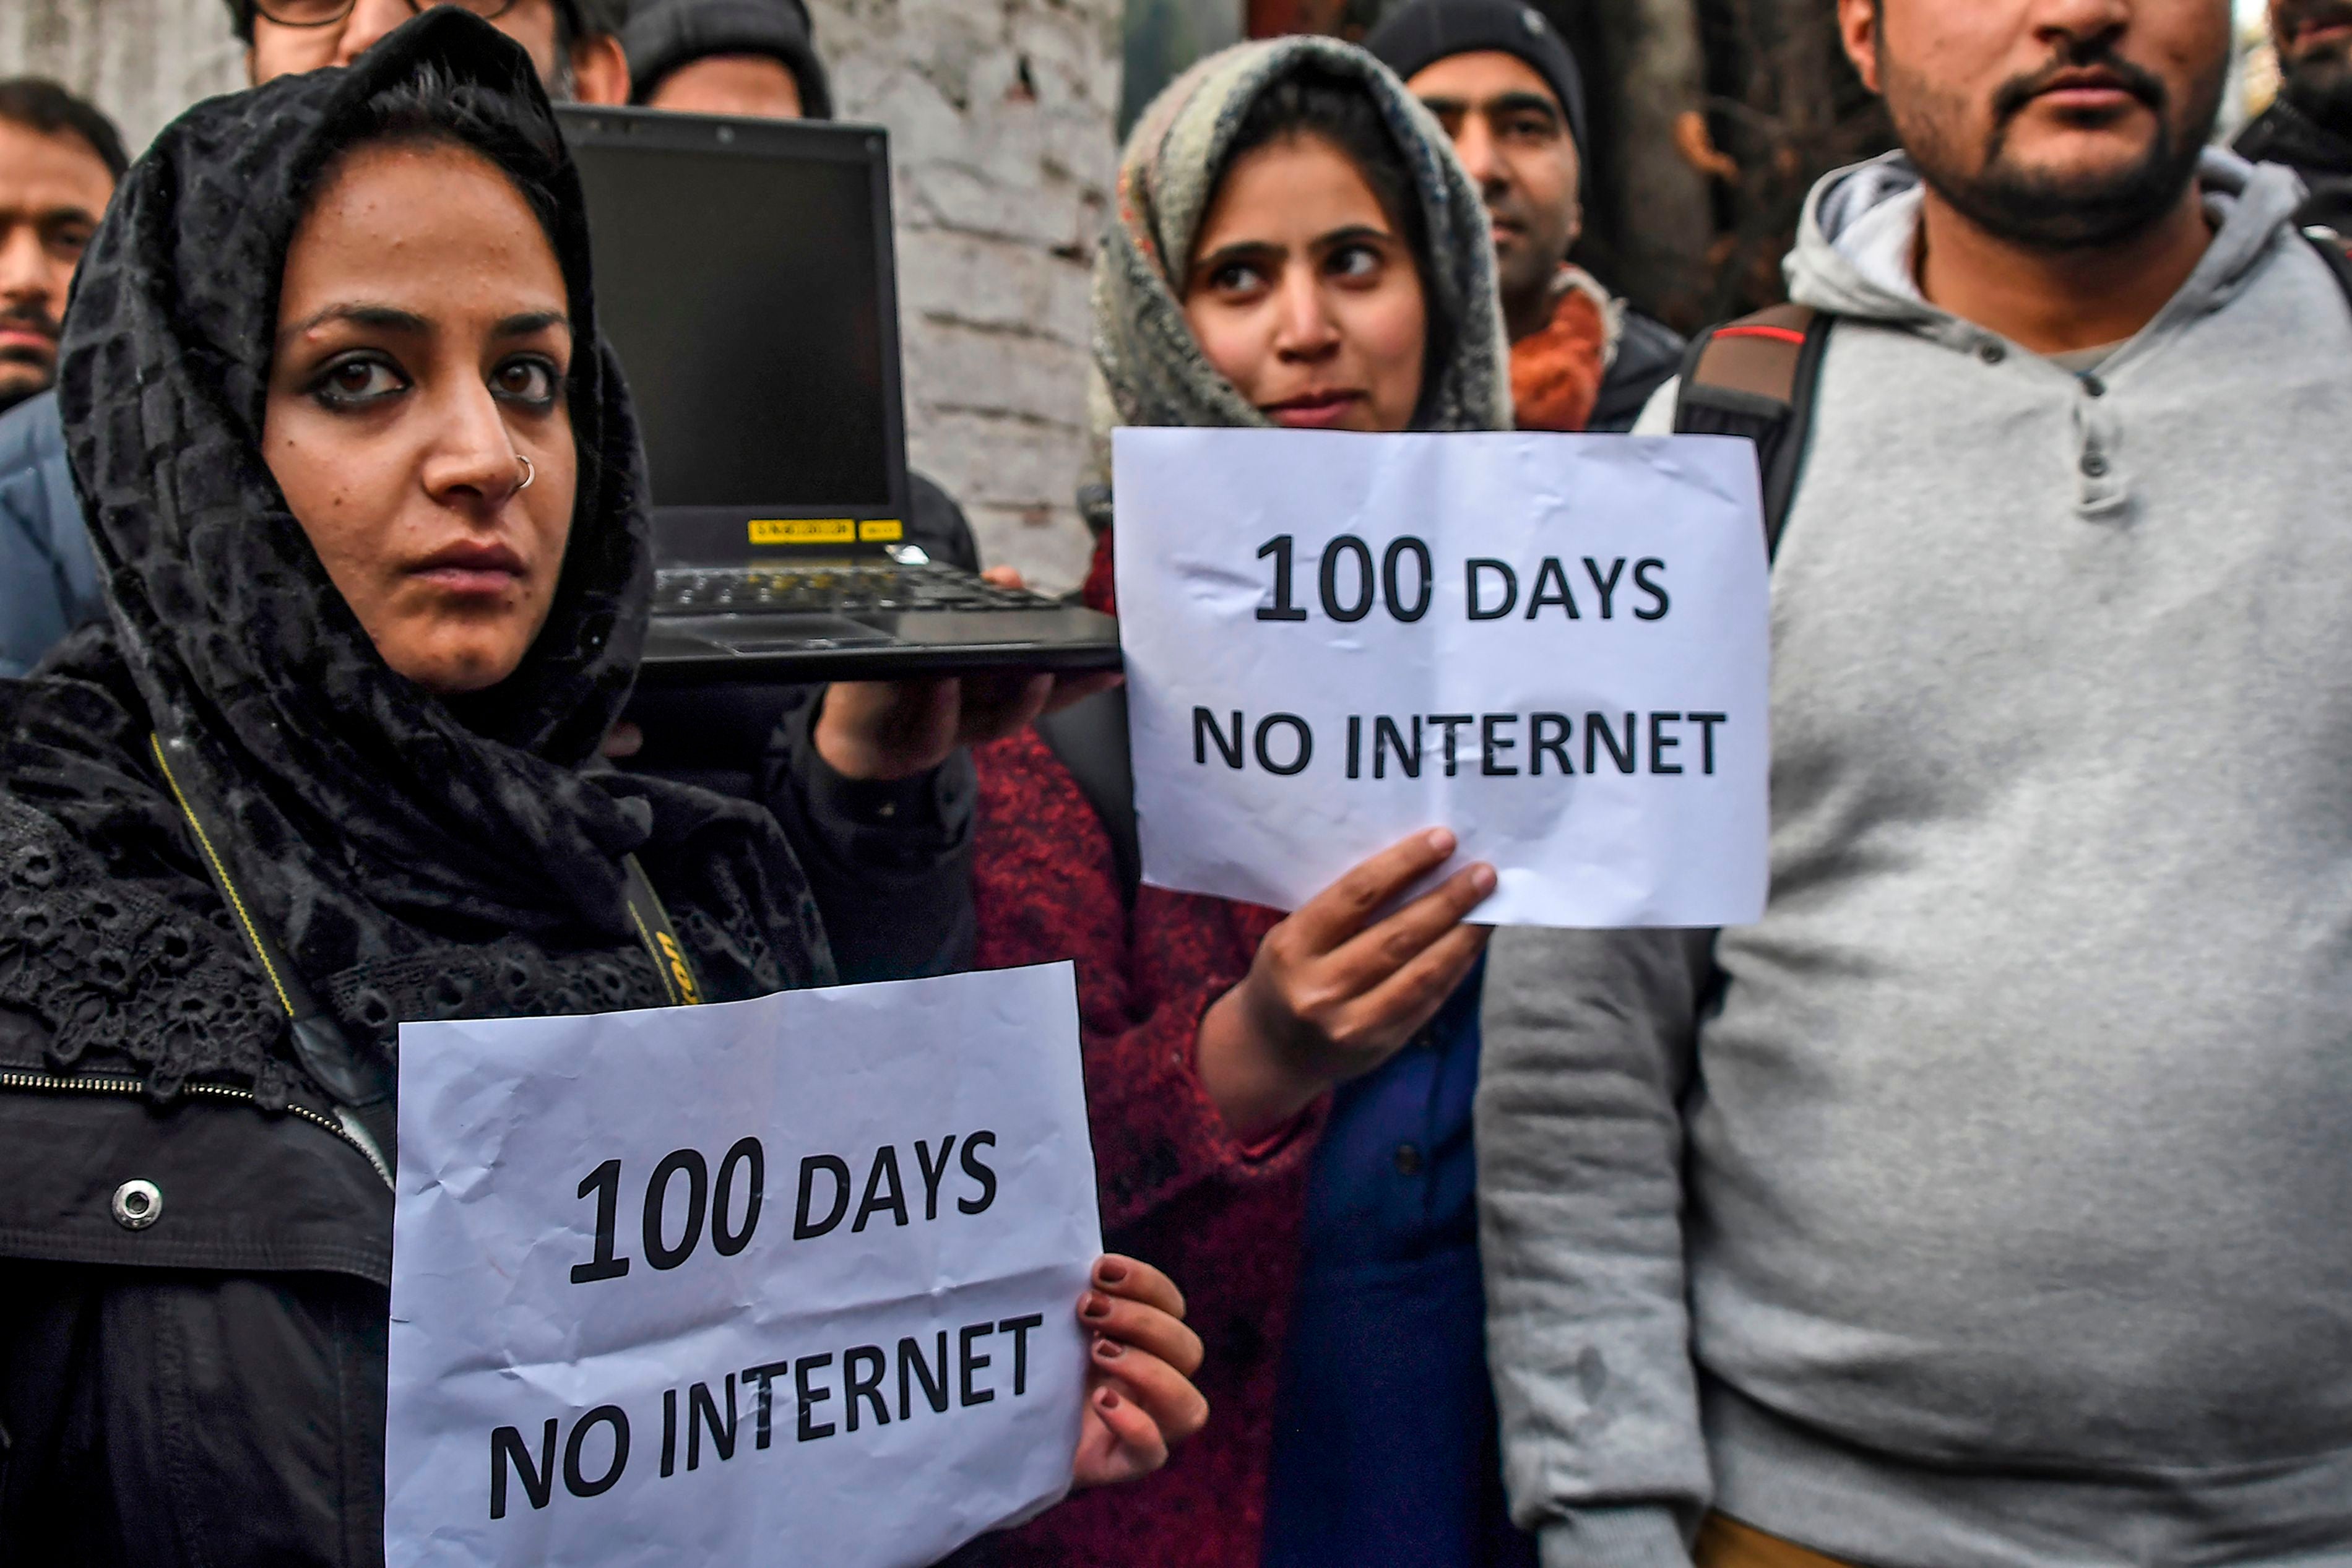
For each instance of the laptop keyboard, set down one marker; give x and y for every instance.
(852, 586)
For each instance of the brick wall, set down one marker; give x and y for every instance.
(1001, 114)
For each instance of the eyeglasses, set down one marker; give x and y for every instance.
(327, 13)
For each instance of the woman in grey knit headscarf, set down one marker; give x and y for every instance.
(1149, 368)
(1295, 244)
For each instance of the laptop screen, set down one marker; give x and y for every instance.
(742, 274)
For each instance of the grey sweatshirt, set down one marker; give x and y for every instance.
(1998, 1209)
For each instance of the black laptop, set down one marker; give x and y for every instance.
(745, 275)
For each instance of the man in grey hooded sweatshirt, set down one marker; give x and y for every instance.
(1988, 1203)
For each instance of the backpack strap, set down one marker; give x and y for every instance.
(1090, 738)
(2331, 247)
(1755, 376)
(659, 936)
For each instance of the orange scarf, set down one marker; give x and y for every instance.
(1556, 373)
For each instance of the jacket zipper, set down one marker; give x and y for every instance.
(102, 1084)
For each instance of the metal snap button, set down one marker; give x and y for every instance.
(1408, 1159)
(2094, 385)
(2094, 465)
(138, 1205)
(1991, 352)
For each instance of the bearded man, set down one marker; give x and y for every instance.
(1979, 1207)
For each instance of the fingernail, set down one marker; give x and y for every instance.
(1111, 1271)
(1096, 1305)
(1482, 878)
(1440, 841)
(1108, 1399)
(1108, 1349)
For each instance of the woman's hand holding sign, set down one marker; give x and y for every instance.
(1337, 989)
(1140, 1396)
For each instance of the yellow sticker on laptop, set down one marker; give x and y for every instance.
(804, 530)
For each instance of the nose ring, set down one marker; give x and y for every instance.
(528, 474)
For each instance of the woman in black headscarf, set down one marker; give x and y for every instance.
(366, 487)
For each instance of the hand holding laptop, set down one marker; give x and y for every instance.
(881, 730)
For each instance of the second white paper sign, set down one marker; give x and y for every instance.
(1555, 645)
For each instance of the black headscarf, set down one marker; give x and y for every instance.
(418, 858)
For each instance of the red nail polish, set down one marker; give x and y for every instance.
(1108, 1399)
(1096, 1305)
(1109, 1349)
(1110, 1270)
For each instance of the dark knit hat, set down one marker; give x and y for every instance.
(1421, 33)
(663, 35)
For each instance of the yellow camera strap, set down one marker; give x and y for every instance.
(653, 929)
(363, 1082)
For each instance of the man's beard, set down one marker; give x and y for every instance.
(2318, 83)
(2058, 211)
(23, 374)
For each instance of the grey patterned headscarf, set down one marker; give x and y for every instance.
(1148, 368)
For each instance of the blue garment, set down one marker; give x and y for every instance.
(49, 575)
(1385, 1447)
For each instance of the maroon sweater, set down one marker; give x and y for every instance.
(1176, 1190)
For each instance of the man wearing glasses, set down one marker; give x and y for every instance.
(575, 43)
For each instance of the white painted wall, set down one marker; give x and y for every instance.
(142, 61)
(1001, 114)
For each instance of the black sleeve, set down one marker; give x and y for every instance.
(890, 863)
(934, 522)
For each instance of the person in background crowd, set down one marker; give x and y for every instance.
(1982, 1204)
(2308, 127)
(59, 159)
(1281, 1104)
(575, 45)
(1508, 92)
(376, 649)
(754, 58)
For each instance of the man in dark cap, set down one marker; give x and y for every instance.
(1505, 86)
(755, 57)
(2309, 127)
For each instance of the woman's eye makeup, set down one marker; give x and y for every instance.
(1237, 277)
(358, 380)
(529, 380)
(1355, 262)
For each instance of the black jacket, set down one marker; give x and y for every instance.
(2284, 134)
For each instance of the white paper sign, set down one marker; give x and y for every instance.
(1555, 645)
(786, 1281)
